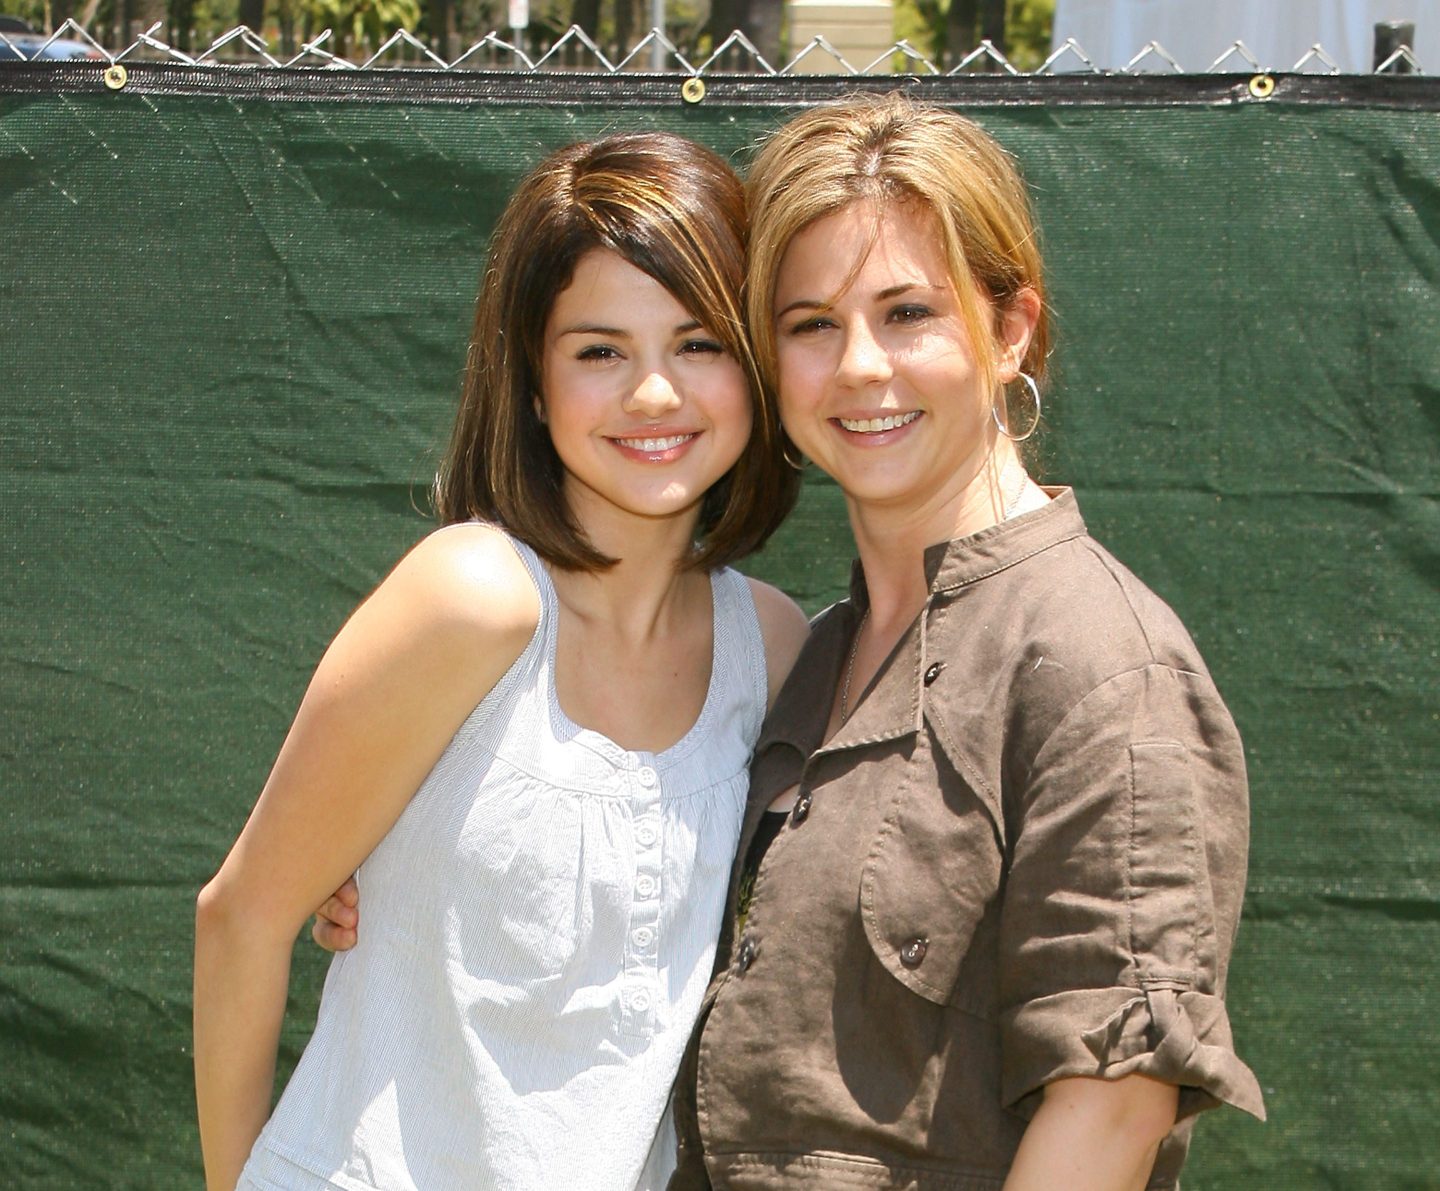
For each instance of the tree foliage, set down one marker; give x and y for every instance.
(362, 21)
(1024, 33)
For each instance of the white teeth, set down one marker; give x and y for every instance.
(874, 425)
(654, 444)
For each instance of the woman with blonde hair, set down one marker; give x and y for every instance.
(995, 849)
(532, 737)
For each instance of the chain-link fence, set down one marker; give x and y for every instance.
(233, 312)
(575, 49)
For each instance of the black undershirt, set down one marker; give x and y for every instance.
(769, 827)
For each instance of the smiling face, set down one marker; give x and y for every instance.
(879, 384)
(645, 407)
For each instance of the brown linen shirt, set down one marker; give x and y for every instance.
(1022, 858)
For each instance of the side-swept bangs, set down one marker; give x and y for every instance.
(891, 149)
(674, 210)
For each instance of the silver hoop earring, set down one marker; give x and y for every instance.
(1035, 422)
(797, 465)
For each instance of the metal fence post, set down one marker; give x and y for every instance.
(1391, 36)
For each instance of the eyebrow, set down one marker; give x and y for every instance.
(618, 333)
(884, 295)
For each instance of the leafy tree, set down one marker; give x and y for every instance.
(946, 30)
(362, 21)
(759, 20)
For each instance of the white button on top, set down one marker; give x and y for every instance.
(641, 936)
(640, 1000)
(647, 776)
(644, 885)
(645, 834)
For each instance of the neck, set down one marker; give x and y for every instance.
(637, 596)
(892, 542)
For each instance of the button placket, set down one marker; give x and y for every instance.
(639, 995)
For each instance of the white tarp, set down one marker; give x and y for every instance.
(1276, 32)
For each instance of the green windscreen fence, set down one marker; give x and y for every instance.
(233, 311)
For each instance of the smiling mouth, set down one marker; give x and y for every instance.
(876, 425)
(653, 445)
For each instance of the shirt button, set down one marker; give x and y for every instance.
(746, 955)
(645, 834)
(645, 885)
(641, 936)
(647, 776)
(933, 672)
(913, 952)
(802, 809)
(640, 1001)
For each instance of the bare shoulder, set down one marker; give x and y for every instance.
(414, 660)
(784, 628)
(467, 578)
(449, 620)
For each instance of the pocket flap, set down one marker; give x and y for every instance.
(935, 866)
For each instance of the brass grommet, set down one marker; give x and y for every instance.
(692, 90)
(1262, 86)
(116, 76)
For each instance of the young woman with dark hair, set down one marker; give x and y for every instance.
(532, 738)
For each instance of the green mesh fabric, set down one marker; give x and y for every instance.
(231, 332)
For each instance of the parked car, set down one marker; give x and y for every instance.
(25, 45)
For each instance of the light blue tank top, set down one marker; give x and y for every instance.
(539, 927)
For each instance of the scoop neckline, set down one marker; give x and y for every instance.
(597, 740)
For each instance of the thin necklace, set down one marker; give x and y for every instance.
(850, 668)
(1012, 499)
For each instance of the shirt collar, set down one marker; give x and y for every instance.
(894, 707)
(954, 564)
(802, 709)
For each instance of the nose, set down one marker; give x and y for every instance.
(653, 396)
(863, 360)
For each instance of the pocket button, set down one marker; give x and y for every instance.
(912, 954)
(801, 811)
(746, 956)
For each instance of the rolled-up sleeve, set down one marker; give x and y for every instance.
(1127, 870)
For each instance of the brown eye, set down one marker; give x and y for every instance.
(910, 313)
(702, 347)
(597, 351)
(807, 325)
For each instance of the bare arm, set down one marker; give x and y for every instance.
(399, 679)
(784, 628)
(1095, 1135)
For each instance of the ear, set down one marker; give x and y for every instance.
(1017, 325)
(539, 407)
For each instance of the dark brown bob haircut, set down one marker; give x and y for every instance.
(674, 210)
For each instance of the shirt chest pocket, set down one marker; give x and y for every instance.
(933, 870)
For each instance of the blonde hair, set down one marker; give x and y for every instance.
(674, 210)
(890, 149)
